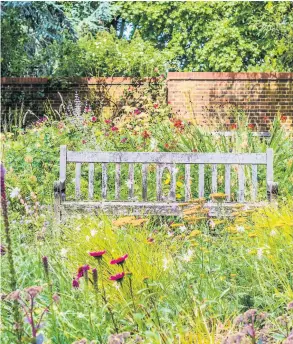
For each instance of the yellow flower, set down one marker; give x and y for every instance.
(218, 196)
(137, 222)
(252, 235)
(194, 233)
(233, 275)
(33, 179)
(28, 159)
(175, 225)
(167, 181)
(123, 221)
(179, 184)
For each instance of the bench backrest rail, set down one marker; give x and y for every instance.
(165, 160)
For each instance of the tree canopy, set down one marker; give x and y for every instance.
(131, 38)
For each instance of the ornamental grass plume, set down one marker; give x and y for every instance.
(13, 279)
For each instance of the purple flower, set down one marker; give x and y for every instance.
(75, 283)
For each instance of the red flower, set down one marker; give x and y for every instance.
(156, 106)
(97, 254)
(136, 112)
(145, 135)
(119, 260)
(114, 128)
(118, 277)
(178, 124)
(94, 119)
(169, 102)
(233, 126)
(150, 239)
(83, 141)
(251, 125)
(283, 118)
(75, 283)
(123, 140)
(107, 121)
(166, 145)
(81, 270)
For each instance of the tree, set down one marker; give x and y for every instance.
(216, 36)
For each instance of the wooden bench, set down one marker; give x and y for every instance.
(164, 204)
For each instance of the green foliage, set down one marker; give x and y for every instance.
(101, 38)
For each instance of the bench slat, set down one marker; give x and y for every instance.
(254, 182)
(144, 181)
(168, 158)
(104, 180)
(159, 182)
(200, 180)
(63, 158)
(77, 180)
(130, 183)
(214, 178)
(117, 181)
(228, 182)
(91, 180)
(172, 194)
(187, 183)
(241, 183)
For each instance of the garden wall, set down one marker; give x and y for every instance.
(203, 96)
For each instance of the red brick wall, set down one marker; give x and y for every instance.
(207, 96)
(204, 97)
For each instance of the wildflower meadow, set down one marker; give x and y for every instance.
(95, 278)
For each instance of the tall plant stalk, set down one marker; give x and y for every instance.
(13, 279)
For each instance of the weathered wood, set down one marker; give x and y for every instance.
(272, 191)
(173, 172)
(159, 173)
(144, 181)
(131, 181)
(91, 180)
(214, 178)
(77, 180)
(63, 159)
(200, 180)
(187, 183)
(228, 182)
(241, 183)
(117, 181)
(149, 208)
(270, 168)
(168, 158)
(164, 205)
(254, 182)
(104, 181)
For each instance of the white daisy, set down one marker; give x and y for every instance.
(14, 192)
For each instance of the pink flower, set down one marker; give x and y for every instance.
(97, 254)
(124, 140)
(136, 112)
(118, 277)
(83, 141)
(114, 128)
(75, 283)
(119, 260)
(81, 270)
(107, 121)
(156, 106)
(94, 119)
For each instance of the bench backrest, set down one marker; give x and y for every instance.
(166, 160)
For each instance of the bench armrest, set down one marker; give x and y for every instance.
(272, 191)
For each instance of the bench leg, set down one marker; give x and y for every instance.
(272, 191)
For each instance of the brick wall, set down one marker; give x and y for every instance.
(206, 97)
